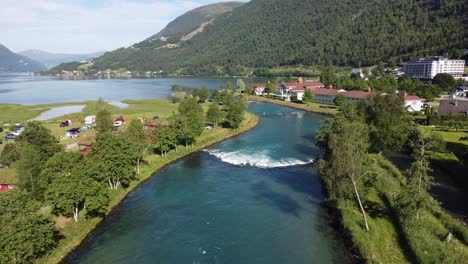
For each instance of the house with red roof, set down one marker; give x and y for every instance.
(413, 103)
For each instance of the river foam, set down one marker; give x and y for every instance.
(256, 159)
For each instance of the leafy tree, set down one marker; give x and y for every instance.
(61, 164)
(137, 136)
(204, 94)
(216, 96)
(444, 81)
(346, 162)
(175, 88)
(386, 83)
(165, 139)
(26, 235)
(190, 105)
(328, 75)
(37, 135)
(234, 112)
(214, 114)
(340, 100)
(113, 159)
(241, 85)
(196, 93)
(29, 168)
(388, 120)
(9, 155)
(228, 86)
(104, 121)
(308, 96)
(270, 88)
(74, 192)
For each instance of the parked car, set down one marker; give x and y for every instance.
(72, 134)
(66, 123)
(85, 128)
(221, 103)
(18, 130)
(10, 136)
(210, 100)
(1, 129)
(6, 125)
(73, 130)
(155, 117)
(118, 123)
(17, 123)
(209, 128)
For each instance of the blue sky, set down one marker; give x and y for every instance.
(82, 26)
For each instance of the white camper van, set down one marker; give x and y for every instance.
(90, 119)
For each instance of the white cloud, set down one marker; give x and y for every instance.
(56, 26)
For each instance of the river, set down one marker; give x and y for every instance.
(254, 198)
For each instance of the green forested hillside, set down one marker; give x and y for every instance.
(269, 33)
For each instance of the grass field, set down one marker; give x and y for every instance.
(310, 107)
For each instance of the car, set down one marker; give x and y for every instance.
(155, 117)
(10, 136)
(73, 130)
(118, 123)
(6, 125)
(17, 123)
(1, 129)
(65, 123)
(221, 103)
(72, 134)
(209, 128)
(210, 100)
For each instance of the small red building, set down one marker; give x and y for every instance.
(4, 187)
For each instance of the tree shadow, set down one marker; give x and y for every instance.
(403, 241)
(375, 210)
(281, 201)
(299, 180)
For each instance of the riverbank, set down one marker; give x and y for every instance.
(309, 107)
(75, 233)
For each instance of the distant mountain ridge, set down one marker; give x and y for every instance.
(12, 62)
(273, 33)
(51, 60)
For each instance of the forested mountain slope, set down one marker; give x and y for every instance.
(268, 33)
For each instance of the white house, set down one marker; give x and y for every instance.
(413, 103)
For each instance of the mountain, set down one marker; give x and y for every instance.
(270, 33)
(53, 59)
(12, 62)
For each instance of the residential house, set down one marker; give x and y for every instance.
(413, 103)
(453, 106)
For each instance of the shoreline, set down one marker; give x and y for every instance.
(305, 107)
(65, 248)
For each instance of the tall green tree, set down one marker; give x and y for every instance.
(346, 164)
(241, 85)
(340, 100)
(328, 75)
(37, 135)
(308, 96)
(235, 108)
(113, 159)
(25, 234)
(204, 94)
(29, 168)
(270, 88)
(104, 121)
(165, 139)
(137, 136)
(214, 115)
(9, 155)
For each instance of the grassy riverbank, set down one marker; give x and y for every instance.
(75, 233)
(310, 107)
(391, 239)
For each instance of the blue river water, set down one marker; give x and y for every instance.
(255, 198)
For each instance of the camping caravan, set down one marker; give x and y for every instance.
(90, 119)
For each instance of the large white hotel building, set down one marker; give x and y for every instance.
(427, 68)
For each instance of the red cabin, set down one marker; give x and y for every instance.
(85, 148)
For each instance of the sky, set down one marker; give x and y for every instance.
(82, 26)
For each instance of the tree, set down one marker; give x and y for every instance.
(26, 235)
(346, 162)
(204, 94)
(9, 155)
(165, 139)
(417, 197)
(28, 168)
(195, 92)
(104, 121)
(190, 105)
(386, 83)
(37, 135)
(340, 100)
(445, 81)
(388, 120)
(214, 114)
(175, 88)
(328, 75)
(270, 88)
(308, 96)
(137, 136)
(113, 159)
(241, 85)
(216, 96)
(74, 192)
(235, 108)
(228, 86)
